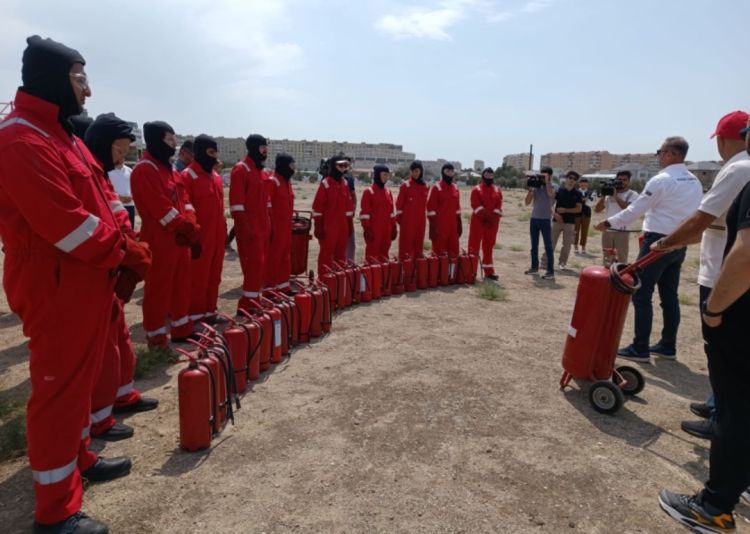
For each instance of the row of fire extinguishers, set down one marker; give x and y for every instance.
(210, 387)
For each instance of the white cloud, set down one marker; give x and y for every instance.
(535, 6)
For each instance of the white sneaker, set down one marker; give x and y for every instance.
(745, 497)
(562, 267)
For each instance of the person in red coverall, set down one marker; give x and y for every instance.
(109, 138)
(487, 207)
(410, 213)
(444, 214)
(206, 192)
(333, 213)
(168, 225)
(281, 196)
(248, 203)
(63, 252)
(377, 216)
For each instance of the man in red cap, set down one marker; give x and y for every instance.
(63, 251)
(333, 213)
(708, 226)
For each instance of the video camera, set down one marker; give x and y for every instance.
(609, 187)
(535, 181)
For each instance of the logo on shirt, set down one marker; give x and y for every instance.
(649, 193)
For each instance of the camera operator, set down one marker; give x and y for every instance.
(669, 198)
(540, 193)
(612, 201)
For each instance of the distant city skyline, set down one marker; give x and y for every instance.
(456, 79)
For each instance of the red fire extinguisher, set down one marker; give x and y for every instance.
(332, 282)
(473, 266)
(254, 331)
(410, 280)
(237, 340)
(433, 270)
(459, 276)
(277, 333)
(376, 284)
(266, 325)
(300, 241)
(385, 264)
(365, 283)
(397, 276)
(444, 270)
(286, 320)
(305, 302)
(422, 269)
(355, 282)
(326, 316)
(196, 408)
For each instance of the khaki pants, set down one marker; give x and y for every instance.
(568, 232)
(617, 240)
(582, 231)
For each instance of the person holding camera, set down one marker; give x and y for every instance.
(615, 197)
(540, 193)
(568, 204)
(583, 220)
(669, 198)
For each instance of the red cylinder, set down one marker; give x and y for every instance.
(462, 269)
(433, 270)
(422, 272)
(365, 283)
(300, 242)
(195, 406)
(341, 290)
(237, 343)
(326, 310)
(218, 387)
(356, 283)
(304, 302)
(331, 280)
(410, 275)
(264, 362)
(350, 277)
(316, 324)
(397, 277)
(386, 288)
(376, 287)
(255, 340)
(473, 266)
(444, 270)
(596, 326)
(276, 333)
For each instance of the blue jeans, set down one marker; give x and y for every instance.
(663, 274)
(545, 227)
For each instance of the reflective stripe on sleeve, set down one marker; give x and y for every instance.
(101, 415)
(169, 217)
(364, 217)
(116, 206)
(498, 212)
(125, 390)
(350, 214)
(19, 120)
(192, 173)
(189, 207)
(458, 212)
(431, 213)
(79, 235)
(325, 184)
(148, 162)
(53, 476)
(317, 214)
(245, 165)
(480, 208)
(86, 432)
(236, 207)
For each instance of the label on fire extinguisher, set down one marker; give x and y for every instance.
(362, 283)
(451, 268)
(572, 332)
(277, 333)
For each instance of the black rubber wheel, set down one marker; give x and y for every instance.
(633, 381)
(606, 397)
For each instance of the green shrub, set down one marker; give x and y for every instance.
(491, 291)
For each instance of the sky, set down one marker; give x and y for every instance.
(453, 79)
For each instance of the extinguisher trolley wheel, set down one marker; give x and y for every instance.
(629, 379)
(606, 397)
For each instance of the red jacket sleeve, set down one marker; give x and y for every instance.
(150, 196)
(237, 187)
(349, 202)
(476, 201)
(320, 202)
(499, 199)
(365, 208)
(390, 204)
(39, 185)
(432, 202)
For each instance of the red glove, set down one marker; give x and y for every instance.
(433, 230)
(320, 231)
(195, 251)
(394, 232)
(369, 234)
(137, 257)
(460, 225)
(350, 222)
(125, 285)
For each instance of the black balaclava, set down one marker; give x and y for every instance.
(416, 164)
(80, 125)
(447, 179)
(200, 144)
(104, 131)
(153, 134)
(376, 170)
(45, 74)
(335, 173)
(491, 180)
(283, 166)
(253, 144)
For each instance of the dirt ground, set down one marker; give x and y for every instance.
(435, 411)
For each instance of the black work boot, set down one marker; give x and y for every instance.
(108, 469)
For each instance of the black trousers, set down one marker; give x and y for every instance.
(729, 371)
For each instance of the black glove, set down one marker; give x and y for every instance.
(195, 250)
(460, 225)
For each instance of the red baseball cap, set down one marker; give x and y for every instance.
(730, 125)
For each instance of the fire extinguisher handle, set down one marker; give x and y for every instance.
(642, 262)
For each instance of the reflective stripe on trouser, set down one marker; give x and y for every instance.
(486, 237)
(205, 275)
(65, 308)
(253, 261)
(333, 247)
(166, 290)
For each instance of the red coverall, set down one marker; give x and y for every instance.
(62, 247)
(487, 205)
(248, 203)
(114, 384)
(443, 206)
(206, 193)
(333, 210)
(160, 197)
(377, 216)
(279, 264)
(410, 214)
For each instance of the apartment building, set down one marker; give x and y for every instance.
(518, 161)
(599, 160)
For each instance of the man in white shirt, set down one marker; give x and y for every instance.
(708, 225)
(120, 178)
(669, 198)
(617, 238)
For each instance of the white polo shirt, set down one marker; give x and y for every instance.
(120, 179)
(612, 208)
(727, 185)
(669, 198)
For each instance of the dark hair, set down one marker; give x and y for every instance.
(624, 173)
(582, 180)
(547, 170)
(572, 174)
(187, 145)
(677, 144)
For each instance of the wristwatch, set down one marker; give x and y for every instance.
(704, 311)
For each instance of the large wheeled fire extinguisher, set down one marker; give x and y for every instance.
(594, 333)
(300, 241)
(196, 404)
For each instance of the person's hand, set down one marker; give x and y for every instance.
(137, 257)
(658, 245)
(125, 285)
(711, 322)
(557, 217)
(459, 225)
(602, 226)
(195, 251)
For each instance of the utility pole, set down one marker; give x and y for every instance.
(531, 157)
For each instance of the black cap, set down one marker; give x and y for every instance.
(104, 131)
